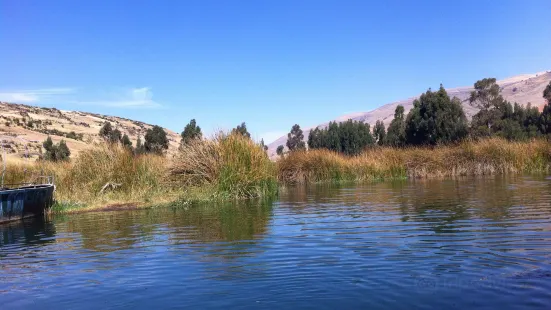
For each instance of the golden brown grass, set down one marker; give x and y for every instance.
(235, 166)
(231, 167)
(492, 156)
(80, 181)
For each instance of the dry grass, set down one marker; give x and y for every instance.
(234, 165)
(231, 167)
(492, 156)
(79, 182)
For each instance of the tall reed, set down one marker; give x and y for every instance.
(492, 156)
(80, 181)
(233, 165)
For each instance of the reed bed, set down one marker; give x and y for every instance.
(469, 158)
(233, 167)
(126, 178)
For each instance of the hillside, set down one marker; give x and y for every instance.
(526, 88)
(24, 127)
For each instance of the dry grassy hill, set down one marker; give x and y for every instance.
(526, 88)
(23, 128)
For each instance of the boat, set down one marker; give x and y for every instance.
(24, 200)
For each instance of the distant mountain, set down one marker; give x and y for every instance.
(23, 128)
(526, 88)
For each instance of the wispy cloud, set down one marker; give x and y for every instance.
(34, 95)
(132, 98)
(125, 98)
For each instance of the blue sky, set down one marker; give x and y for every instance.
(269, 63)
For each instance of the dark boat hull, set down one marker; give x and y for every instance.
(23, 202)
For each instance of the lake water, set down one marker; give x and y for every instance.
(472, 243)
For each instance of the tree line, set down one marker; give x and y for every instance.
(435, 119)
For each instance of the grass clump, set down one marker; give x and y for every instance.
(232, 166)
(137, 179)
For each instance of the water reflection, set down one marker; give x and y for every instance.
(227, 222)
(442, 201)
(435, 243)
(35, 231)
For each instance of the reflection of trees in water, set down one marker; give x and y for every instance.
(440, 202)
(218, 233)
(34, 231)
(111, 231)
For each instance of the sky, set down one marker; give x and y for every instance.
(270, 63)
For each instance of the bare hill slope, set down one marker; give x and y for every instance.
(526, 88)
(25, 127)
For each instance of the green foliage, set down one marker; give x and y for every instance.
(547, 93)
(279, 150)
(396, 134)
(126, 141)
(295, 139)
(106, 131)
(350, 137)
(55, 152)
(140, 148)
(486, 94)
(73, 135)
(379, 132)
(241, 130)
(500, 118)
(109, 134)
(191, 132)
(262, 145)
(156, 140)
(435, 119)
(545, 120)
(545, 117)
(116, 136)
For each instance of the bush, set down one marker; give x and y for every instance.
(55, 152)
(156, 140)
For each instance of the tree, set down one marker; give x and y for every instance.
(109, 134)
(48, 144)
(242, 130)
(547, 93)
(396, 135)
(349, 137)
(379, 132)
(106, 131)
(55, 152)
(279, 150)
(191, 132)
(156, 140)
(315, 138)
(435, 118)
(262, 145)
(486, 97)
(116, 136)
(545, 116)
(486, 94)
(140, 148)
(295, 139)
(126, 141)
(63, 152)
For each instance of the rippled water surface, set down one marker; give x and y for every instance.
(483, 243)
